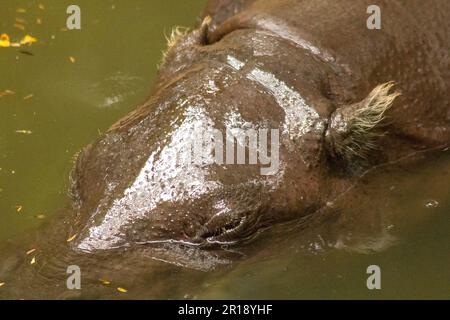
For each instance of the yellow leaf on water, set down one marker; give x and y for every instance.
(6, 92)
(72, 59)
(122, 290)
(28, 97)
(105, 282)
(21, 10)
(4, 41)
(20, 20)
(19, 208)
(30, 251)
(2, 284)
(72, 238)
(28, 40)
(40, 216)
(19, 26)
(41, 6)
(24, 131)
(33, 261)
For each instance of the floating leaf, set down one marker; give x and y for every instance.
(21, 10)
(122, 290)
(2, 284)
(28, 97)
(24, 131)
(19, 26)
(20, 20)
(30, 251)
(4, 41)
(40, 216)
(72, 59)
(19, 208)
(33, 261)
(41, 6)
(105, 282)
(28, 53)
(6, 93)
(28, 40)
(72, 238)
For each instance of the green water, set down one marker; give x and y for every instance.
(115, 57)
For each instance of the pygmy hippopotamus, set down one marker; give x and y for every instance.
(330, 97)
(312, 71)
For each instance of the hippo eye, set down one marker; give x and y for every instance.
(354, 130)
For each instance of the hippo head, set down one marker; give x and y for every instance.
(236, 137)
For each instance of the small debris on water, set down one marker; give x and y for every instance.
(28, 97)
(24, 131)
(19, 26)
(28, 53)
(28, 40)
(30, 251)
(431, 204)
(2, 284)
(19, 208)
(33, 261)
(122, 290)
(330, 204)
(4, 41)
(20, 20)
(105, 282)
(6, 92)
(72, 238)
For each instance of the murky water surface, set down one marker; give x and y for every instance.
(70, 86)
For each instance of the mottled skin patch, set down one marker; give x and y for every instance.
(287, 65)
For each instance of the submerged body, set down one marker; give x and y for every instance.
(309, 69)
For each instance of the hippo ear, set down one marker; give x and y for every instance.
(182, 37)
(354, 130)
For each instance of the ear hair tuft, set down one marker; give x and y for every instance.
(355, 129)
(176, 34)
(184, 37)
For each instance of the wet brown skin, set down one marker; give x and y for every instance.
(322, 52)
(411, 49)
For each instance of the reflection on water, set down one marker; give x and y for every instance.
(59, 104)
